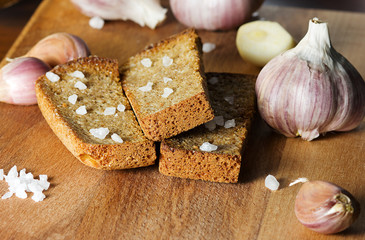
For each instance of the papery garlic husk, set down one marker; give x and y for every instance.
(59, 48)
(311, 89)
(325, 207)
(143, 12)
(17, 80)
(214, 14)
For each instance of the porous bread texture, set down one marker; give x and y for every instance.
(187, 106)
(103, 90)
(233, 97)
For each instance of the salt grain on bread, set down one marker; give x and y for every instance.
(214, 153)
(178, 57)
(104, 90)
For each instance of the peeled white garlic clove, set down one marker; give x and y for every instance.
(325, 207)
(214, 14)
(144, 12)
(59, 48)
(17, 80)
(311, 89)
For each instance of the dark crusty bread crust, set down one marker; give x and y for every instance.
(180, 156)
(188, 106)
(73, 130)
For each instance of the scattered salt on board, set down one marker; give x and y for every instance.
(271, 183)
(20, 184)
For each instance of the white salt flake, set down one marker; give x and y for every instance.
(211, 125)
(299, 180)
(35, 187)
(99, 132)
(146, 88)
(7, 195)
(167, 61)
(1, 174)
(167, 92)
(81, 110)
(52, 77)
(96, 22)
(208, 47)
(219, 120)
(20, 193)
(167, 79)
(38, 196)
(208, 147)
(80, 85)
(77, 74)
(213, 80)
(44, 184)
(230, 123)
(13, 172)
(146, 62)
(72, 99)
(229, 99)
(271, 183)
(121, 108)
(117, 138)
(43, 178)
(109, 111)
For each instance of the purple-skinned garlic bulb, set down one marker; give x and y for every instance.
(311, 89)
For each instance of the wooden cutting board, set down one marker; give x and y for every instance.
(85, 203)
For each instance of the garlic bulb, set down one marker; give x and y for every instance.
(311, 89)
(214, 14)
(17, 80)
(143, 12)
(59, 48)
(325, 207)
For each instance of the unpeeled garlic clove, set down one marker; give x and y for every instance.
(325, 207)
(59, 48)
(311, 89)
(17, 80)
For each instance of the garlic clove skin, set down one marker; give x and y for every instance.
(17, 80)
(59, 48)
(143, 12)
(214, 14)
(311, 89)
(325, 207)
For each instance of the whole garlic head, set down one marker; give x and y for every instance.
(311, 89)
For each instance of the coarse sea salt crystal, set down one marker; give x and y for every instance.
(77, 74)
(52, 77)
(208, 47)
(121, 108)
(167, 61)
(208, 147)
(72, 99)
(99, 132)
(167, 79)
(146, 88)
(271, 183)
(167, 92)
(109, 111)
(116, 138)
(96, 22)
(229, 99)
(81, 110)
(146, 62)
(20, 184)
(230, 123)
(211, 125)
(1, 174)
(38, 196)
(213, 80)
(80, 85)
(219, 120)
(299, 180)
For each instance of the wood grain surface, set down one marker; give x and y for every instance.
(85, 203)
